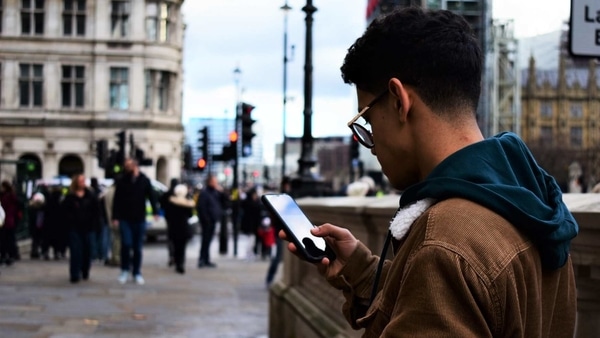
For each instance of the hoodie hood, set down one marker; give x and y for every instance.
(500, 174)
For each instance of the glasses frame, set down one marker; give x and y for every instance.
(359, 130)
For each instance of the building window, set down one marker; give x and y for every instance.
(546, 136)
(157, 90)
(31, 81)
(72, 86)
(74, 18)
(576, 111)
(576, 137)
(158, 21)
(119, 18)
(546, 109)
(119, 88)
(32, 17)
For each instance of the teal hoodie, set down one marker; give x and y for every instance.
(500, 174)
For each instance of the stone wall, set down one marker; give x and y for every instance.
(302, 304)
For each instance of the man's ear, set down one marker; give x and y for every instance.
(401, 97)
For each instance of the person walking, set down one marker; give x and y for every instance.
(115, 236)
(100, 242)
(10, 204)
(481, 239)
(129, 214)
(285, 187)
(210, 210)
(165, 205)
(56, 231)
(251, 218)
(180, 210)
(82, 216)
(36, 218)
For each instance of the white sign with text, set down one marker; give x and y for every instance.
(585, 27)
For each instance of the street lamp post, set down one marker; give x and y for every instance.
(306, 184)
(285, 8)
(235, 189)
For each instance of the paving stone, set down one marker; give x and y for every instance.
(37, 299)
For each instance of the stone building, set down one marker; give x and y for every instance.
(560, 115)
(73, 72)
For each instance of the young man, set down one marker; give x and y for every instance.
(129, 215)
(481, 239)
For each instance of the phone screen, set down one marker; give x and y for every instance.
(297, 222)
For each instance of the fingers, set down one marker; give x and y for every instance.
(330, 230)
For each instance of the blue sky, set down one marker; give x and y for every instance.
(225, 34)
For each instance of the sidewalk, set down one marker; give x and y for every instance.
(37, 300)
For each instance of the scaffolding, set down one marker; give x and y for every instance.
(504, 84)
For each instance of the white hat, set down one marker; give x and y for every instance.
(180, 190)
(38, 197)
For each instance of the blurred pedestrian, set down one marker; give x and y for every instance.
(114, 234)
(180, 210)
(100, 237)
(251, 218)
(266, 233)
(36, 219)
(56, 232)
(285, 187)
(129, 214)
(82, 216)
(10, 204)
(165, 205)
(210, 211)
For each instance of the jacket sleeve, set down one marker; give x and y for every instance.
(449, 300)
(202, 208)
(117, 203)
(356, 281)
(152, 197)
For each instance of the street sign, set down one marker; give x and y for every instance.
(585, 28)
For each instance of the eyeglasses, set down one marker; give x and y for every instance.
(362, 134)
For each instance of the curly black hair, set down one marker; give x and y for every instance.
(435, 52)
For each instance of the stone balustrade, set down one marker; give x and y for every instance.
(302, 304)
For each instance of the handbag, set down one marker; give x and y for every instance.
(2, 216)
(192, 226)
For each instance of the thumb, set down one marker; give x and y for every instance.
(333, 231)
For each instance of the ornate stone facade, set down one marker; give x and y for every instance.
(77, 71)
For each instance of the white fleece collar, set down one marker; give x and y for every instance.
(406, 216)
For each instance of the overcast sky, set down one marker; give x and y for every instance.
(225, 34)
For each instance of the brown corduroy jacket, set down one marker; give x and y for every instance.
(462, 271)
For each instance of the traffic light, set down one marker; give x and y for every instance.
(354, 148)
(112, 168)
(247, 134)
(120, 155)
(203, 141)
(201, 164)
(102, 152)
(140, 156)
(187, 158)
(229, 150)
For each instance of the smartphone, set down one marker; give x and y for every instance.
(297, 227)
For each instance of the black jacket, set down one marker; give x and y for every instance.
(82, 214)
(210, 206)
(129, 203)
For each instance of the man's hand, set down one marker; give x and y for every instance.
(156, 217)
(340, 240)
(115, 223)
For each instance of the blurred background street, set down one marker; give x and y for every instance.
(37, 299)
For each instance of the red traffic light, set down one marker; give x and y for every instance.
(233, 137)
(201, 163)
